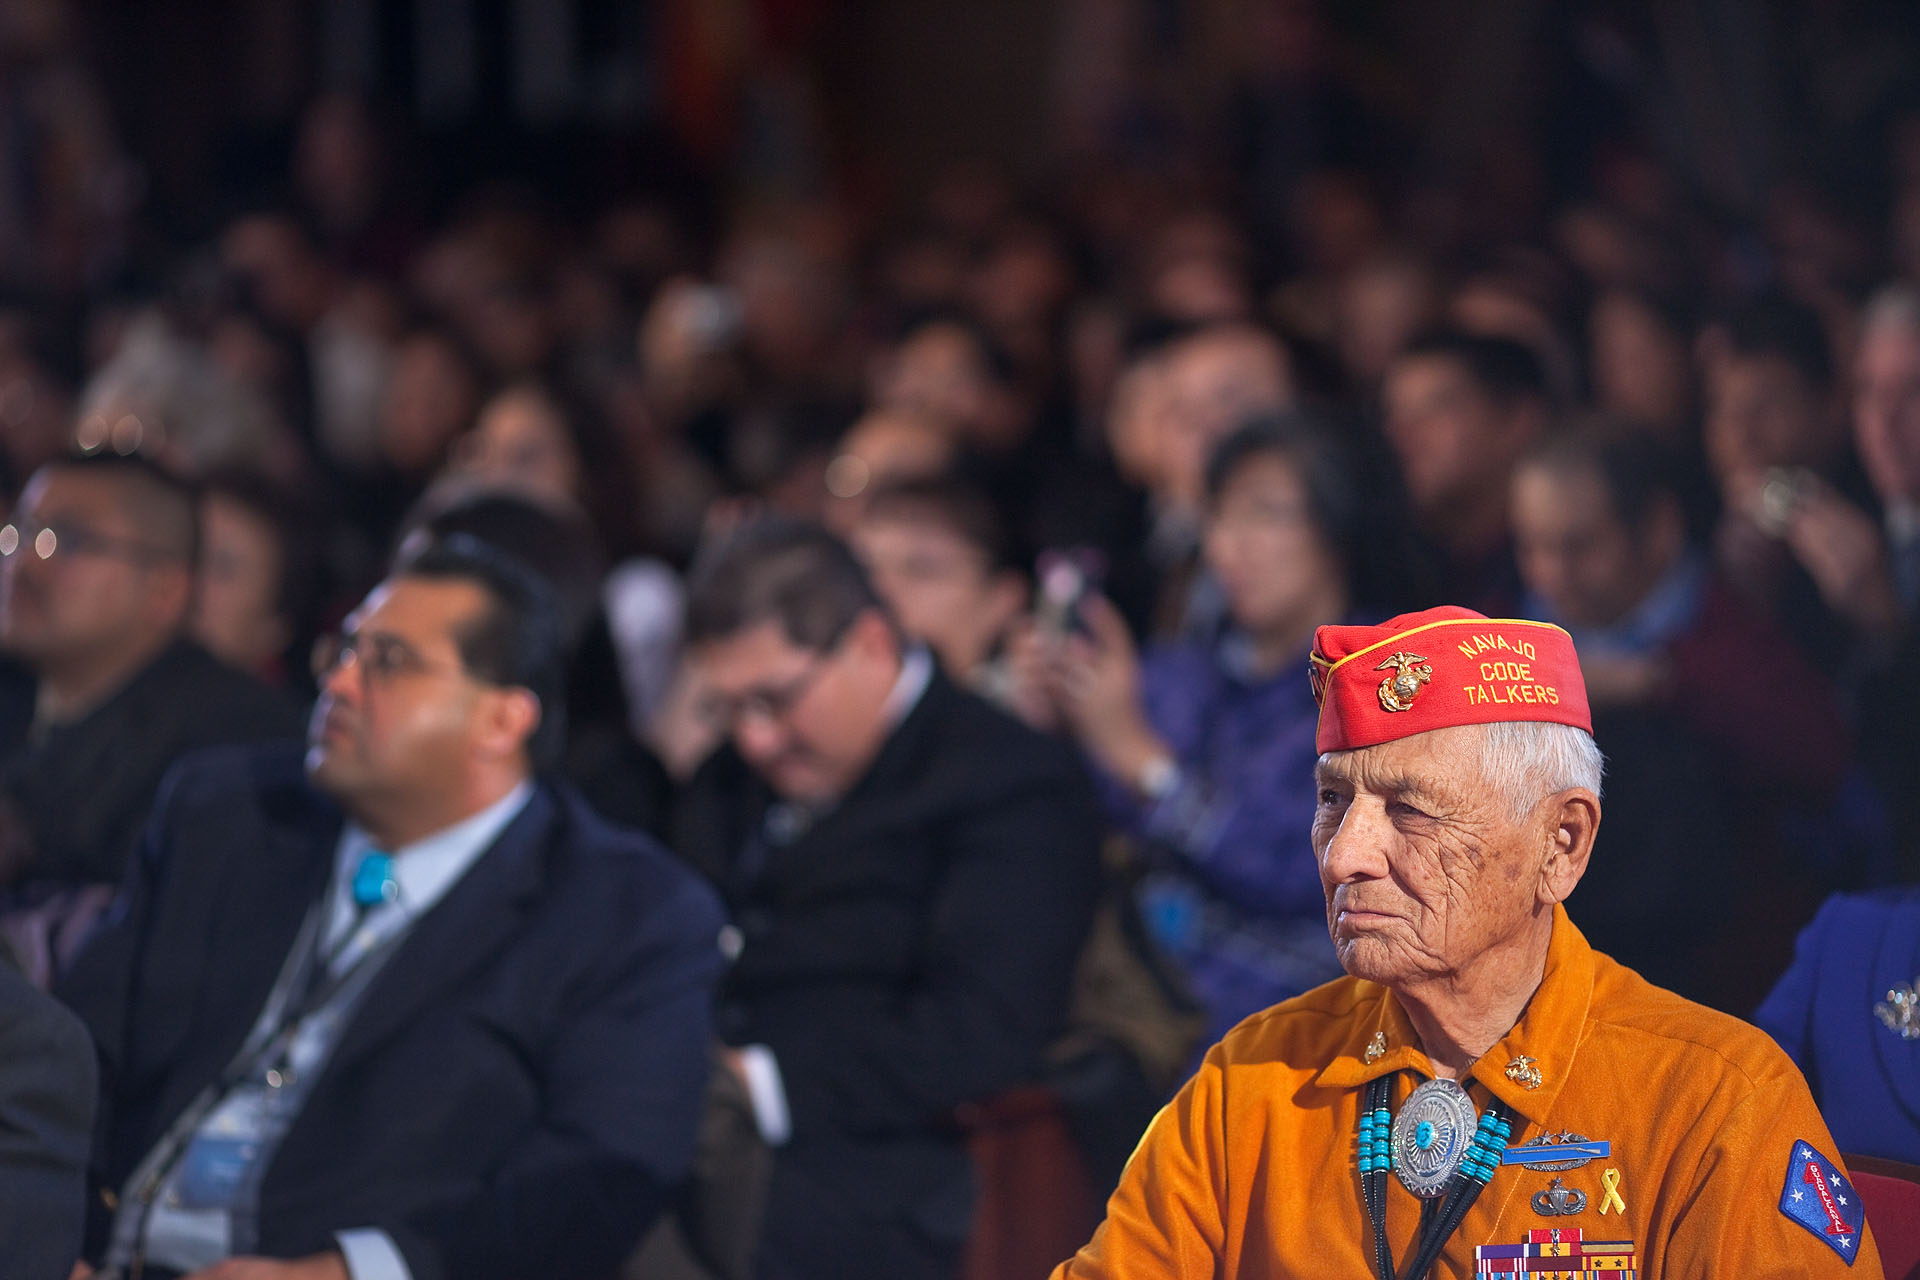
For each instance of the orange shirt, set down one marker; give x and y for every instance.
(1250, 1172)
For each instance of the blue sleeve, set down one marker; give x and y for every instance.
(1787, 1012)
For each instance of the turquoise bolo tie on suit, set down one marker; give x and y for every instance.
(373, 881)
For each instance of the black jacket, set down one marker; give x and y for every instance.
(908, 954)
(516, 1090)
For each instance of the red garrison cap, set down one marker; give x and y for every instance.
(1442, 667)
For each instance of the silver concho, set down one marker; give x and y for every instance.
(1431, 1135)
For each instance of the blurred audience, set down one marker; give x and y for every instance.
(1459, 410)
(97, 584)
(1201, 741)
(911, 873)
(940, 561)
(257, 585)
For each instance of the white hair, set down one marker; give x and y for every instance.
(1528, 760)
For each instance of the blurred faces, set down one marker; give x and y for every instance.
(521, 443)
(236, 610)
(1263, 547)
(83, 587)
(1213, 382)
(1763, 412)
(1426, 871)
(1577, 555)
(1453, 440)
(941, 373)
(430, 399)
(808, 721)
(942, 589)
(1641, 367)
(1886, 410)
(882, 448)
(399, 721)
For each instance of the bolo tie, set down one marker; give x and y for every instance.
(1439, 1150)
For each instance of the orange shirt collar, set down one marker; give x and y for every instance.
(1548, 1032)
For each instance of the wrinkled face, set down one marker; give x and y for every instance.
(1761, 412)
(1424, 867)
(81, 580)
(940, 587)
(397, 717)
(1263, 546)
(1446, 431)
(1886, 410)
(1574, 552)
(808, 721)
(236, 607)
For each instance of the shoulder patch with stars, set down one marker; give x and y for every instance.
(1819, 1198)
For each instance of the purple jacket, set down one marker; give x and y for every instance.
(1233, 894)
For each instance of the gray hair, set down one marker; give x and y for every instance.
(1528, 760)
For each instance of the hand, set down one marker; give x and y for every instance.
(1841, 548)
(1096, 684)
(319, 1266)
(81, 1271)
(1030, 650)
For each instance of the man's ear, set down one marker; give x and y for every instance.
(871, 635)
(1573, 821)
(509, 720)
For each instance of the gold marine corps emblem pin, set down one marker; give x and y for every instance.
(1410, 673)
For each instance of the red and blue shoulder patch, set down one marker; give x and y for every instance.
(1819, 1198)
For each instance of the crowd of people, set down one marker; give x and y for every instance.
(936, 583)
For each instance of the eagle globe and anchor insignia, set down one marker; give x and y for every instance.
(1410, 673)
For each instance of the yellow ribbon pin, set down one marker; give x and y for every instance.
(1610, 1197)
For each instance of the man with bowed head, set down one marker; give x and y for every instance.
(1483, 1089)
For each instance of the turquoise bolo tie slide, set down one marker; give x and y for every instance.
(373, 881)
(1431, 1137)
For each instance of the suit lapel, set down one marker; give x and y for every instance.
(261, 902)
(461, 932)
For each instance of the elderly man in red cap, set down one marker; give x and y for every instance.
(1483, 1094)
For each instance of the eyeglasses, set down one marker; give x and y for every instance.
(382, 658)
(45, 541)
(769, 704)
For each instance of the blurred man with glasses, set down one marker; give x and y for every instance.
(911, 874)
(96, 586)
(405, 1008)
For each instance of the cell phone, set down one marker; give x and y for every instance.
(1064, 578)
(1782, 490)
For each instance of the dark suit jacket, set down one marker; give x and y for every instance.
(520, 1084)
(74, 802)
(1865, 1077)
(47, 1089)
(908, 954)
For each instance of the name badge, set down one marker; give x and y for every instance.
(216, 1162)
